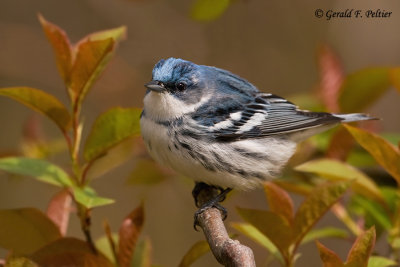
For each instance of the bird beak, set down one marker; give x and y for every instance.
(155, 86)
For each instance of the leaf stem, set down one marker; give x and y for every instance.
(83, 212)
(341, 213)
(84, 215)
(76, 133)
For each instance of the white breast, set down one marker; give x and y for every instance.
(164, 106)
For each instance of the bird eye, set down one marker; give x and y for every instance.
(181, 86)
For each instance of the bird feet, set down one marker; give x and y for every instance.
(213, 202)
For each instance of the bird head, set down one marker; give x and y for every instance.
(179, 87)
(176, 88)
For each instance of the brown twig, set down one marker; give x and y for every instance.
(227, 251)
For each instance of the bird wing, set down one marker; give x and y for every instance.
(268, 115)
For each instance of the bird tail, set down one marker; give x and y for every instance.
(355, 117)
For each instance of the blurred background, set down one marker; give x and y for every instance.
(272, 44)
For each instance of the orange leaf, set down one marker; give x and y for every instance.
(59, 210)
(61, 46)
(395, 77)
(91, 59)
(26, 230)
(69, 252)
(315, 206)
(272, 225)
(386, 154)
(331, 75)
(328, 257)
(198, 249)
(128, 235)
(279, 201)
(361, 249)
(41, 102)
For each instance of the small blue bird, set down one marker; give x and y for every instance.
(217, 128)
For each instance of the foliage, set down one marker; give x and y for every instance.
(109, 143)
(209, 10)
(338, 182)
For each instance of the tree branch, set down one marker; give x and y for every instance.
(227, 251)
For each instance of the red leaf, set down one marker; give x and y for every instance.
(340, 145)
(279, 201)
(128, 235)
(328, 257)
(331, 75)
(59, 210)
(32, 131)
(61, 46)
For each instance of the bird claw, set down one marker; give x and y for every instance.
(206, 206)
(212, 203)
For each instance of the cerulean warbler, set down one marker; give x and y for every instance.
(215, 127)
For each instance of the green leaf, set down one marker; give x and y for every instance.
(114, 157)
(325, 233)
(25, 230)
(272, 225)
(362, 248)
(111, 128)
(61, 47)
(279, 201)
(146, 172)
(335, 170)
(208, 10)
(253, 233)
(103, 245)
(89, 198)
(142, 255)
(328, 257)
(128, 235)
(315, 206)
(362, 88)
(69, 252)
(377, 261)
(374, 210)
(40, 169)
(387, 155)
(41, 102)
(117, 34)
(198, 249)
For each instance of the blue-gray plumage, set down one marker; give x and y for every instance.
(216, 127)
